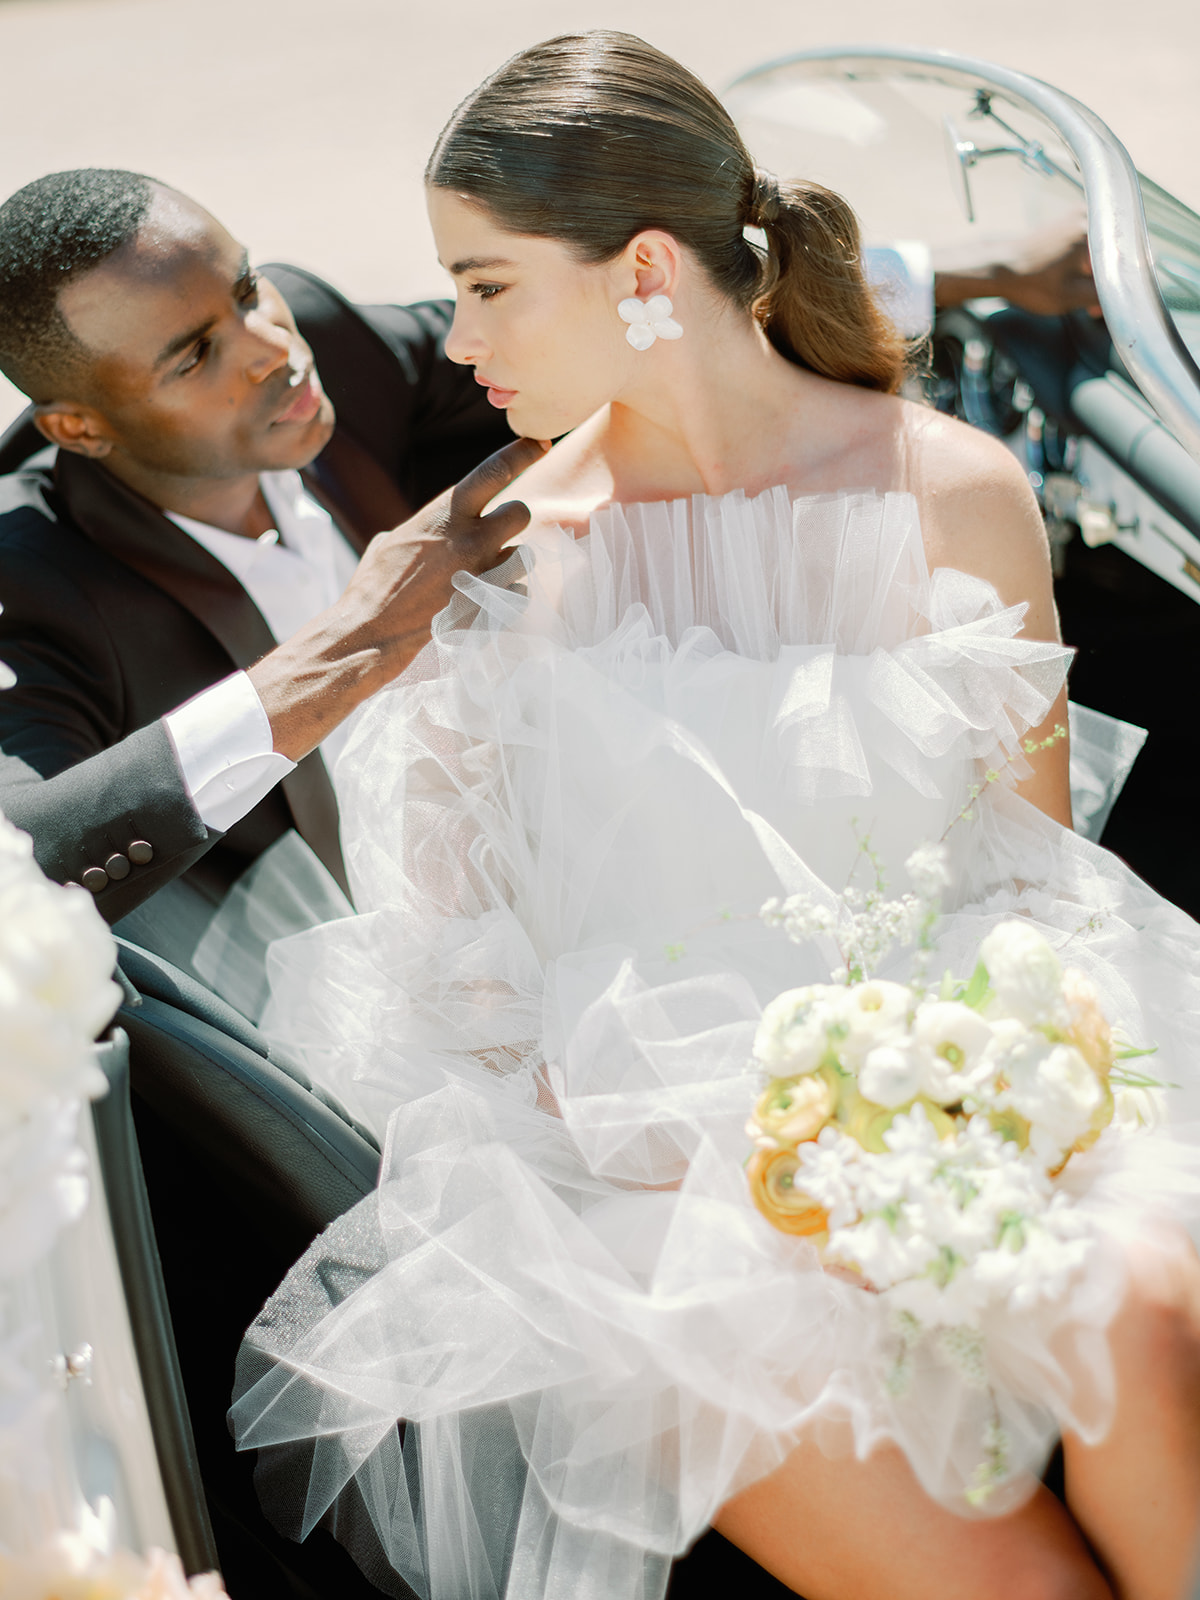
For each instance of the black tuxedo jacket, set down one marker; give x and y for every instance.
(112, 616)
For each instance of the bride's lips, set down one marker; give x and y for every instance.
(498, 397)
(306, 404)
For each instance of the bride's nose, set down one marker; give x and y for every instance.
(463, 343)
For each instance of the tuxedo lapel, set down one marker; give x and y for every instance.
(358, 493)
(137, 533)
(128, 527)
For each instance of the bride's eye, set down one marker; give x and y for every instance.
(488, 291)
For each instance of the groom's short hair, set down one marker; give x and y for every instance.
(51, 231)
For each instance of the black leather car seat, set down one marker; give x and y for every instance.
(245, 1162)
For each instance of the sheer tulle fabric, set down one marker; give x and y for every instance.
(560, 824)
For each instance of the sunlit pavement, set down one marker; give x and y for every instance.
(304, 124)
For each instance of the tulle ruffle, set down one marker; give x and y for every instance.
(559, 1336)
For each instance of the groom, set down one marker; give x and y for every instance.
(216, 568)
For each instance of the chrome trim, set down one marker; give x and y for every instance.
(1138, 321)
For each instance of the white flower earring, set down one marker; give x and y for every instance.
(648, 320)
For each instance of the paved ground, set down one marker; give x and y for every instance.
(304, 124)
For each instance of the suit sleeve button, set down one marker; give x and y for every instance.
(141, 853)
(117, 867)
(94, 878)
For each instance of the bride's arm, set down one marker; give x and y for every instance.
(979, 516)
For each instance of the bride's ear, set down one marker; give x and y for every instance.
(652, 263)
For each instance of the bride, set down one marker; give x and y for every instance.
(770, 610)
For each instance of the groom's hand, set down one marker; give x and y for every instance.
(312, 682)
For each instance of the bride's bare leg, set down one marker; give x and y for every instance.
(1137, 1494)
(856, 1530)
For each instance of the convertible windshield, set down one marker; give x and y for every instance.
(943, 151)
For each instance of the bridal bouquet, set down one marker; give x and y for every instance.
(915, 1132)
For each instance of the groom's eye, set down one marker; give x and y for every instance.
(195, 357)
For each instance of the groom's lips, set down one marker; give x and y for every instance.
(306, 401)
(497, 396)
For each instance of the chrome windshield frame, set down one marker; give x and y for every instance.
(1137, 318)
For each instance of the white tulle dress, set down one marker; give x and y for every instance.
(560, 825)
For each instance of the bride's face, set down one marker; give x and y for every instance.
(539, 327)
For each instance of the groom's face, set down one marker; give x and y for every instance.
(194, 365)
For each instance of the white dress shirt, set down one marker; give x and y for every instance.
(902, 276)
(295, 570)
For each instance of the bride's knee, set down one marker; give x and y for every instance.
(1075, 1578)
(1157, 1329)
(1078, 1579)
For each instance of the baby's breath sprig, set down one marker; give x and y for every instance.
(1029, 747)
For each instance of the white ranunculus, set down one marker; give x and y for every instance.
(1054, 1088)
(893, 1073)
(954, 1039)
(871, 1012)
(793, 1034)
(1024, 972)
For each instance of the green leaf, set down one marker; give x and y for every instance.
(977, 990)
(1131, 1053)
(1125, 1079)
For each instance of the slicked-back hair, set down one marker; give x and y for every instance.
(589, 138)
(51, 231)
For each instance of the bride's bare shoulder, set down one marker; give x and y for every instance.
(978, 512)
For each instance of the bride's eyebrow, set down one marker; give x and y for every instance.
(478, 264)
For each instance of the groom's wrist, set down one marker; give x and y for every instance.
(311, 683)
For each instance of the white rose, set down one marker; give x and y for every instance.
(954, 1039)
(892, 1074)
(1024, 971)
(1054, 1088)
(1142, 1107)
(792, 1036)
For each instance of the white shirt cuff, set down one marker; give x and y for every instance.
(223, 741)
(902, 276)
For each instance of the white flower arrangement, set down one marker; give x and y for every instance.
(68, 1568)
(915, 1132)
(56, 996)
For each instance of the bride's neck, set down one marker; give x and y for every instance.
(715, 413)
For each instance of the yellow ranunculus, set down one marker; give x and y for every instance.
(1012, 1125)
(863, 1120)
(792, 1110)
(771, 1174)
(943, 1123)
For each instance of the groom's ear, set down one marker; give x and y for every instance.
(74, 426)
(653, 261)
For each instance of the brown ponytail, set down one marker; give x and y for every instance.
(591, 138)
(814, 301)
